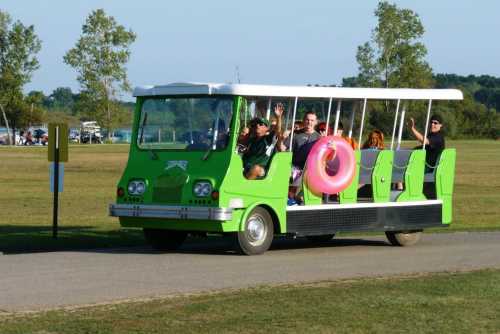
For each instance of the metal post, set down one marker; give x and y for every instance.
(328, 115)
(288, 115)
(245, 112)
(427, 123)
(352, 123)
(56, 186)
(293, 122)
(401, 124)
(395, 123)
(337, 116)
(268, 114)
(362, 121)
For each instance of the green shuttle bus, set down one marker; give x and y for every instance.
(185, 171)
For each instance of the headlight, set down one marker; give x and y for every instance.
(136, 187)
(202, 189)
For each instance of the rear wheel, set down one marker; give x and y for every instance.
(320, 238)
(164, 240)
(257, 236)
(403, 238)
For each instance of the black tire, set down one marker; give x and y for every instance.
(320, 238)
(164, 240)
(257, 235)
(403, 239)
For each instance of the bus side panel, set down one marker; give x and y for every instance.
(350, 195)
(330, 220)
(445, 177)
(272, 189)
(414, 178)
(381, 177)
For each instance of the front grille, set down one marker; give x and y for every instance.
(167, 195)
(168, 188)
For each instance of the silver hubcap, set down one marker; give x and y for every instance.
(256, 230)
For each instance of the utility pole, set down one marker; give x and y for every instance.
(237, 70)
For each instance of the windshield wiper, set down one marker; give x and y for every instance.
(152, 154)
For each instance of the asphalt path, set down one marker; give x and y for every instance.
(49, 280)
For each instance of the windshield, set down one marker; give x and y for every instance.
(185, 123)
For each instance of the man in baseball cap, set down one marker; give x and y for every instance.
(261, 145)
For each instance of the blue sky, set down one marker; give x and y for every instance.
(272, 42)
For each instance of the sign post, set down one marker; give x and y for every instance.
(58, 152)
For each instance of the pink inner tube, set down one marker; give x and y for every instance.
(317, 177)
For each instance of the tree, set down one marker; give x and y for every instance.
(18, 48)
(61, 99)
(394, 57)
(99, 57)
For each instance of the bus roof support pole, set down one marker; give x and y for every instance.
(395, 123)
(427, 123)
(351, 125)
(401, 123)
(328, 114)
(288, 114)
(293, 122)
(245, 112)
(362, 121)
(337, 116)
(268, 113)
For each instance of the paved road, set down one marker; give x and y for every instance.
(47, 280)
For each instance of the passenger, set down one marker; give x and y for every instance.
(340, 132)
(303, 141)
(298, 126)
(375, 141)
(321, 128)
(434, 143)
(261, 144)
(302, 144)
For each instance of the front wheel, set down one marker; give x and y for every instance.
(403, 239)
(164, 240)
(257, 236)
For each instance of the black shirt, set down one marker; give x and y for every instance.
(434, 148)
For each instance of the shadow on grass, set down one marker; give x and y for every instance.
(16, 239)
(35, 238)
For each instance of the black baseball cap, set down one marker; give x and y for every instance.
(437, 118)
(260, 120)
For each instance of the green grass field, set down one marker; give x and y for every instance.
(93, 171)
(438, 303)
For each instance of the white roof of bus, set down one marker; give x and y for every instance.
(299, 91)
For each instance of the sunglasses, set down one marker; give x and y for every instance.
(435, 122)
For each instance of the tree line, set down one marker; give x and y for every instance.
(393, 57)
(99, 58)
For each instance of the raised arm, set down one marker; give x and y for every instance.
(416, 133)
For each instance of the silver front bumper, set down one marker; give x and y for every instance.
(170, 212)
